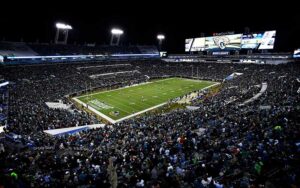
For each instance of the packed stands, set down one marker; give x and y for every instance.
(220, 144)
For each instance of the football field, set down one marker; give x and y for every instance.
(123, 103)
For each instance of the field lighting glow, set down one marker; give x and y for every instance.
(160, 37)
(117, 31)
(63, 26)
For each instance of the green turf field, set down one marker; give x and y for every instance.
(115, 105)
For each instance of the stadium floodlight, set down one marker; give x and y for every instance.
(115, 33)
(65, 29)
(63, 26)
(160, 37)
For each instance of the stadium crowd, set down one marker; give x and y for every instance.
(224, 143)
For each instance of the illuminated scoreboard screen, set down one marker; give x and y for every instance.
(260, 41)
(224, 42)
(195, 44)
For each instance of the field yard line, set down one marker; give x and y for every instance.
(120, 109)
(164, 79)
(140, 112)
(154, 99)
(134, 101)
(143, 83)
(136, 104)
(121, 104)
(95, 111)
(153, 107)
(125, 87)
(138, 94)
(149, 104)
(193, 80)
(216, 83)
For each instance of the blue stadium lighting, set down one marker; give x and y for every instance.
(117, 31)
(160, 37)
(63, 26)
(4, 84)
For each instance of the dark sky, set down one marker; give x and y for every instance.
(92, 20)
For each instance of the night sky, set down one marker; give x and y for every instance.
(92, 21)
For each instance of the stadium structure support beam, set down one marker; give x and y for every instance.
(66, 36)
(64, 28)
(160, 38)
(56, 36)
(115, 36)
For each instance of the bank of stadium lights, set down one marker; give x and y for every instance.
(160, 38)
(63, 26)
(115, 36)
(65, 30)
(117, 31)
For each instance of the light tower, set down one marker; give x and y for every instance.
(160, 38)
(115, 34)
(64, 28)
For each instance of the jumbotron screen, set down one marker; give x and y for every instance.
(260, 41)
(195, 44)
(268, 40)
(228, 42)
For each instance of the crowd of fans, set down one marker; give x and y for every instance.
(3, 102)
(221, 144)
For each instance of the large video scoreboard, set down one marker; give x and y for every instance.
(261, 41)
